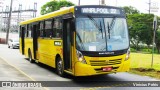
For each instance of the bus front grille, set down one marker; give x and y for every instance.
(105, 62)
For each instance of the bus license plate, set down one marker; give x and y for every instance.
(107, 69)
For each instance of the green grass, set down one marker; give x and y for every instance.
(141, 64)
(141, 60)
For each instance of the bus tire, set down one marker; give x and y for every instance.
(59, 67)
(30, 56)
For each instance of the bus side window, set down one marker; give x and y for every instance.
(57, 28)
(38, 32)
(30, 31)
(54, 27)
(26, 32)
(48, 28)
(41, 30)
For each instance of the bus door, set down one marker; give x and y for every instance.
(35, 42)
(22, 35)
(67, 43)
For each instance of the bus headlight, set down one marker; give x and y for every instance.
(81, 57)
(127, 54)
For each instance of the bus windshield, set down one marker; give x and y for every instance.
(101, 34)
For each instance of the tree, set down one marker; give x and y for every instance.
(157, 40)
(147, 31)
(141, 29)
(130, 10)
(134, 31)
(54, 5)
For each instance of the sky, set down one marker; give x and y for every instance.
(141, 5)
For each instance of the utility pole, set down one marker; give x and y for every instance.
(79, 2)
(149, 6)
(154, 33)
(9, 21)
(102, 2)
(19, 15)
(35, 8)
(1, 18)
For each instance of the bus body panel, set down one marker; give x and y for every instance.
(47, 51)
(74, 56)
(28, 45)
(20, 46)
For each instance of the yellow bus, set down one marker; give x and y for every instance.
(78, 40)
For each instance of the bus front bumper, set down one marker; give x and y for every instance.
(88, 70)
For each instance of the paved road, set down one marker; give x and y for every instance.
(16, 67)
(10, 73)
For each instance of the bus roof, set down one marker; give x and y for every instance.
(49, 15)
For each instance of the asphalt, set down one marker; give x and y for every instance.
(9, 73)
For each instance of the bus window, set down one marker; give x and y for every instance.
(42, 29)
(26, 31)
(29, 31)
(57, 28)
(48, 28)
(38, 32)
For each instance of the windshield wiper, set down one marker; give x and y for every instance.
(112, 22)
(95, 23)
(105, 33)
(108, 29)
(101, 29)
(110, 26)
(80, 41)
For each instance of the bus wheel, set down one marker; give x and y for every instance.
(30, 57)
(59, 67)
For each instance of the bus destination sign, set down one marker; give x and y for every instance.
(100, 11)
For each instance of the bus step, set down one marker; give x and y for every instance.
(36, 61)
(69, 71)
